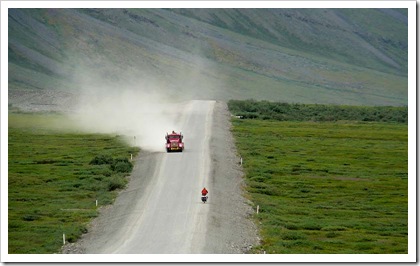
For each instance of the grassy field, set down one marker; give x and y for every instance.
(321, 187)
(327, 187)
(55, 179)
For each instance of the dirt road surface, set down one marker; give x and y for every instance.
(160, 212)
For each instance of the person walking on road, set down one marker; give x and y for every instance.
(204, 192)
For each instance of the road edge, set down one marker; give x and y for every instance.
(230, 229)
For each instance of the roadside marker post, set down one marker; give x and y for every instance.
(241, 160)
(258, 209)
(64, 239)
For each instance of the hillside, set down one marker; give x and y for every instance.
(338, 56)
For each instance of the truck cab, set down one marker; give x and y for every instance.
(174, 142)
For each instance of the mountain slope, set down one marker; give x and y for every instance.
(333, 33)
(339, 56)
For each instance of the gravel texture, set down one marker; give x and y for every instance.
(230, 229)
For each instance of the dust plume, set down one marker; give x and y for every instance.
(142, 113)
(140, 100)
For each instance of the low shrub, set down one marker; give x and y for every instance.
(116, 182)
(102, 159)
(122, 165)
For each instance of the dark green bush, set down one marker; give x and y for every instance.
(122, 165)
(116, 182)
(30, 217)
(102, 159)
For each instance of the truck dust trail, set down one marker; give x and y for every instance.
(164, 215)
(140, 115)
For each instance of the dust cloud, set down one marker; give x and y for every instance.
(141, 102)
(142, 113)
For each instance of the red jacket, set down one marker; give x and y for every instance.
(204, 192)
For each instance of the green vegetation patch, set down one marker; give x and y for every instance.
(327, 187)
(54, 182)
(316, 112)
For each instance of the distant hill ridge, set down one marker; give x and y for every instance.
(339, 56)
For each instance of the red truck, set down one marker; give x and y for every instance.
(174, 142)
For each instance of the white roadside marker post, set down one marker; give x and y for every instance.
(258, 209)
(64, 239)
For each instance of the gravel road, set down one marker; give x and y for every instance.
(160, 211)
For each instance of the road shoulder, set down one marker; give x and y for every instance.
(230, 229)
